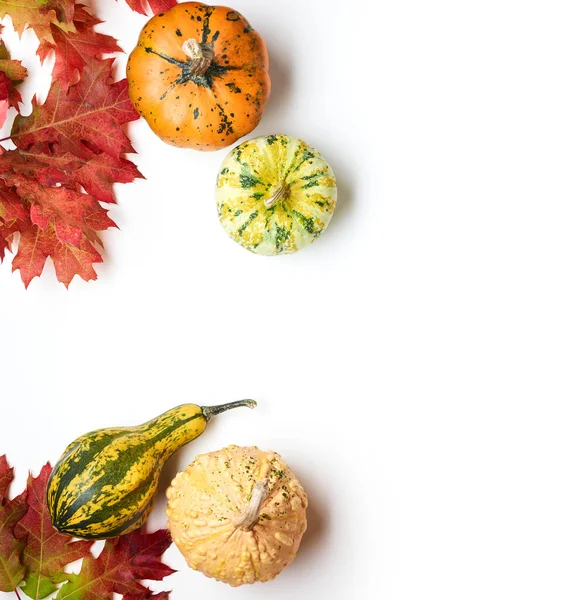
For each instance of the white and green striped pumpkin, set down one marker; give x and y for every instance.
(275, 194)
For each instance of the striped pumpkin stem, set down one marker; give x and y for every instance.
(249, 517)
(279, 194)
(211, 411)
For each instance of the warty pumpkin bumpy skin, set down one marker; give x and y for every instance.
(105, 482)
(199, 76)
(237, 515)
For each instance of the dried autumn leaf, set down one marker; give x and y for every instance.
(11, 568)
(117, 569)
(83, 121)
(47, 551)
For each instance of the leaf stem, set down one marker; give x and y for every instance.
(16, 588)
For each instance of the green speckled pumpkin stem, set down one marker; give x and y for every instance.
(211, 411)
(200, 56)
(277, 195)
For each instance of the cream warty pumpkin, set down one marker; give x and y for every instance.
(237, 515)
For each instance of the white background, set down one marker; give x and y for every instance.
(414, 366)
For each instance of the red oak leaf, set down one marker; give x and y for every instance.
(6, 478)
(11, 210)
(11, 74)
(117, 569)
(30, 13)
(47, 551)
(12, 216)
(3, 109)
(64, 9)
(42, 199)
(98, 175)
(159, 596)
(73, 213)
(36, 245)
(12, 570)
(69, 149)
(33, 555)
(156, 6)
(138, 6)
(4, 245)
(18, 167)
(84, 121)
(73, 49)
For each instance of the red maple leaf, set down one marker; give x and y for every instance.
(47, 550)
(117, 569)
(11, 568)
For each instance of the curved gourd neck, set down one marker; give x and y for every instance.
(173, 429)
(182, 424)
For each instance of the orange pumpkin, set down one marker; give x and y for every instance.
(199, 76)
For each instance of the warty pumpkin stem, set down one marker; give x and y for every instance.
(200, 56)
(277, 195)
(249, 517)
(211, 411)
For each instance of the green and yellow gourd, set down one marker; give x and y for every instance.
(105, 482)
(275, 194)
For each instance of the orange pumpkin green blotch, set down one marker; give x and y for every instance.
(169, 92)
